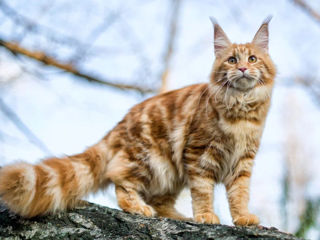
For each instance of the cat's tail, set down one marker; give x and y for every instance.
(54, 184)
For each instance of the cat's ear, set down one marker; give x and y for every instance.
(221, 41)
(261, 39)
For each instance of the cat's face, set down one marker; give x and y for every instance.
(242, 66)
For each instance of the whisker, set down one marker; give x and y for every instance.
(225, 94)
(207, 103)
(222, 78)
(202, 93)
(224, 71)
(214, 94)
(220, 88)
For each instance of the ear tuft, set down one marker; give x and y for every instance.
(213, 20)
(221, 41)
(261, 39)
(267, 19)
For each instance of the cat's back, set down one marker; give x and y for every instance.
(159, 122)
(167, 109)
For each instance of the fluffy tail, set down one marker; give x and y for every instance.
(54, 184)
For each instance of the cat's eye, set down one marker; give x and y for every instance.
(252, 59)
(232, 60)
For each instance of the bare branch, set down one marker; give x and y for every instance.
(23, 127)
(81, 52)
(170, 44)
(308, 9)
(312, 85)
(31, 26)
(50, 61)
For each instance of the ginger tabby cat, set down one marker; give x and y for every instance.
(196, 136)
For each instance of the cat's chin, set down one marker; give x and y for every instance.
(243, 89)
(243, 84)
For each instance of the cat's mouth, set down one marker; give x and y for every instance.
(244, 83)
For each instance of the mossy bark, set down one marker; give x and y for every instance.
(97, 222)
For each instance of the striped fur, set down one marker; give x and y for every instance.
(196, 136)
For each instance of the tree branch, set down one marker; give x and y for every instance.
(36, 28)
(308, 9)
(50, 61)
(170, 44)
(312, 85)
(97, 222)
(15, 119)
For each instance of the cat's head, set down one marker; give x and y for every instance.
(242, 67)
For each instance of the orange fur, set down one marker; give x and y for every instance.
(196, 136)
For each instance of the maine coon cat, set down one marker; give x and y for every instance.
(196, 136)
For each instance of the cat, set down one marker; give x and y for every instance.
(196, 136)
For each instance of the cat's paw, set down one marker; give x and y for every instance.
(143, 210)
(81, 203)
(246, 220)
(147, 211)
(209, 218)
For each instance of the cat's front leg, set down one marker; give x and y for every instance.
(202, 199)
(238, 194)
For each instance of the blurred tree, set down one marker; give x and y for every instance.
(37, 36)
(310, 82)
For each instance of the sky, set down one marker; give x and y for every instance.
(69, 115)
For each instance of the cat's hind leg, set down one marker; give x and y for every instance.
(164, 206)
(130, 201)
(129, 178)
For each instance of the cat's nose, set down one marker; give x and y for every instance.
(242, 69)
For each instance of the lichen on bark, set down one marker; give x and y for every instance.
(97, 222)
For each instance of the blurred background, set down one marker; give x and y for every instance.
(69, 71)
